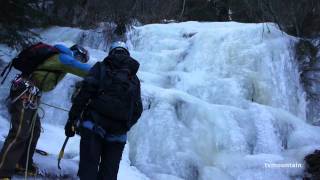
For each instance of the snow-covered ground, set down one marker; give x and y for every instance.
(221, 101)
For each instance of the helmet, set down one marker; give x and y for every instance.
(118, 47)
(80, 53)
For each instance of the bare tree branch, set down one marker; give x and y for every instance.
(183, 7)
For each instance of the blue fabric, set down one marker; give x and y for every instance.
(63, 49)
(66, 58)
(109, 137)
(70, 61)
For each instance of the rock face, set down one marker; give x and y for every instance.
(308, 56)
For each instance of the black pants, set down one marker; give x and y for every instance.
(15, 147)
(99, 159)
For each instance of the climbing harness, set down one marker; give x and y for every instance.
(95, 128)
(29, 94)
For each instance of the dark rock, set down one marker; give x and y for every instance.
(312, 170)
(307, 54)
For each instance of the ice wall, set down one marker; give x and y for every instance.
(220, 101)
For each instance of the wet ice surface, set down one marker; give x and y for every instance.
(220, 101)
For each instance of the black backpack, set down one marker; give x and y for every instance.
(30, 58)
(117, 98)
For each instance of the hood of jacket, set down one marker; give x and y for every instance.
(119, 61)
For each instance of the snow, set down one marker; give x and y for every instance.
(220, 101)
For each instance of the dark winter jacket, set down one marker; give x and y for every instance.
(90, 88)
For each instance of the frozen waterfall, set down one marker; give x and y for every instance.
(221, 101)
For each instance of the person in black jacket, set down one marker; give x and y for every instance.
(106, 107)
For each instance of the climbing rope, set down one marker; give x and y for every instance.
(56, 107)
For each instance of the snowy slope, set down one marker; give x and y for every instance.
(220, 100)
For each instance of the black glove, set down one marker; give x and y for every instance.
(69, 129)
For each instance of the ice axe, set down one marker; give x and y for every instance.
(62, 151)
